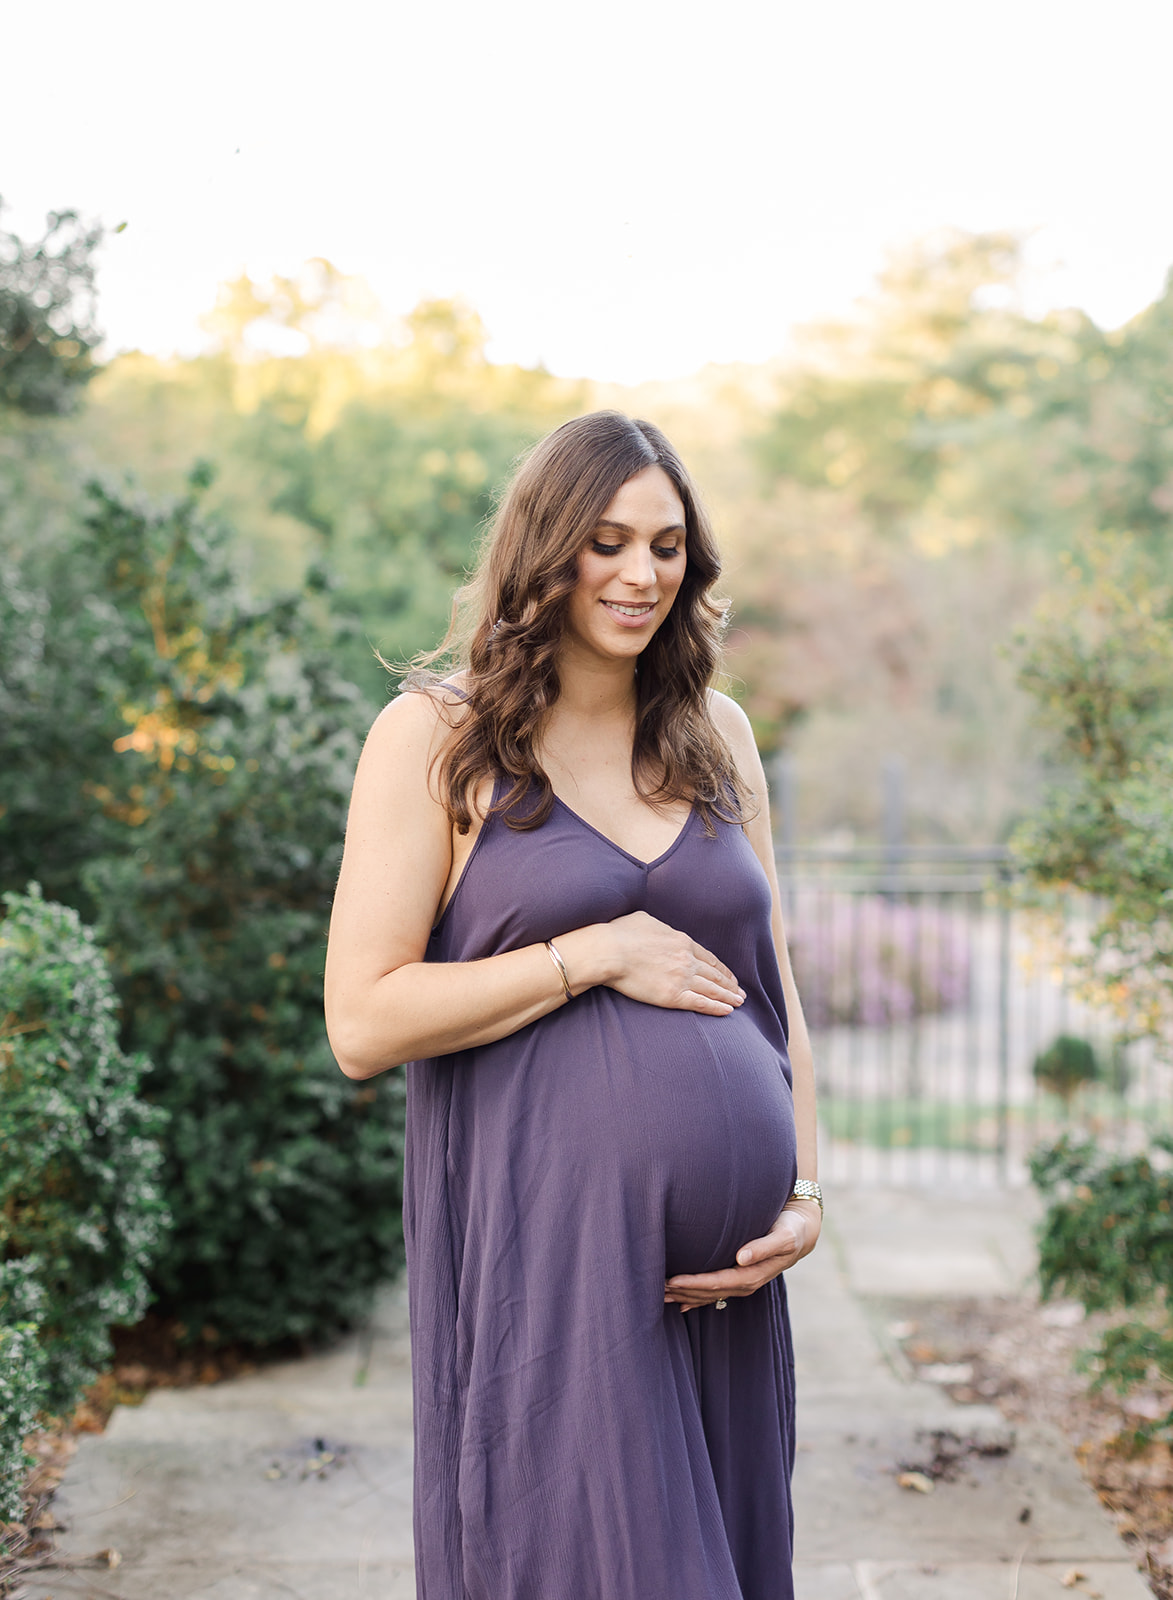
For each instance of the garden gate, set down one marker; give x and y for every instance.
(930, 998)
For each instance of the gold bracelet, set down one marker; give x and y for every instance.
(561, 967)
(807, 1189)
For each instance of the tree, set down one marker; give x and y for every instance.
(1100, 667)
(940, 371)
(47, 332)
(198, 818)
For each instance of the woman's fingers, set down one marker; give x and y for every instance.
(662, 966)
(758, 1262)
(710, 963)
(689, 1290)
(691, 1000)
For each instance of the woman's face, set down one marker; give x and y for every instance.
(631, 568)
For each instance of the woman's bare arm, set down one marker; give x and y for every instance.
(384, 1003)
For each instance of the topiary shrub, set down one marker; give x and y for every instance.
(81, 1217)
(1065, 1066)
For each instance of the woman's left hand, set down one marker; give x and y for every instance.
(793, 1236)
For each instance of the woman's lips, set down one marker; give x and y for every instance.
(633, 617)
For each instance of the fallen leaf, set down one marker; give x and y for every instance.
(1067, 1314)
(947, 1372)
(917, 1481)
(1146, 1405)
(112, 1558)
(1162, 1554)
(1072, 1577)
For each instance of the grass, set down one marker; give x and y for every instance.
(907, 1124)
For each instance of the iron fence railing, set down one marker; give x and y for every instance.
(930, 996)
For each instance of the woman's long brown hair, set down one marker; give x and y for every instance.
(508, 624)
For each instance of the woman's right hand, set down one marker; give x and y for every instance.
(647, 960)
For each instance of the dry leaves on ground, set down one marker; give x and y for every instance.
(1019, 1355)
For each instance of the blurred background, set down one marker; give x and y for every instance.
(284, 291)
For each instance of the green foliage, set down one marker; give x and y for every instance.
(79, 1190)
(375, 461)
(47, 334)
(1107, 1240)
(23, 1377)
(81, 1218)
(1100, 665)
(939, 378)
(179, 757)
(398, 498)
(946, 412)
(1066, 1065)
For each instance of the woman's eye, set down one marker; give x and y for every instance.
(663, 551)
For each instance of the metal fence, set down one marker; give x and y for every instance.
(930, 998)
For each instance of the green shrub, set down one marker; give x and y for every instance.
(80, 1211)
(23, 1376)
(1107, 1240)
(79, 1194)
(1065, 1066)
(197, 817)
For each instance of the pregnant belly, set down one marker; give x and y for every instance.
(704, 1120)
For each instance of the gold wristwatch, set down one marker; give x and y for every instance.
(807, 1189)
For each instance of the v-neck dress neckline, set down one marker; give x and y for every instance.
(647, 866)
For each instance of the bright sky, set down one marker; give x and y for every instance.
(626, 189)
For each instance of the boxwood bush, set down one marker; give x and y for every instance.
(22, 1377)
(81, 1215)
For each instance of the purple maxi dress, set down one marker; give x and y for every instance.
(576, 1438)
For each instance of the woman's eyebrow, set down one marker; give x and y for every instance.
(622, 527)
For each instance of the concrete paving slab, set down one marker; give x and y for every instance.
(860, 1421)
(1001, 1580)
(906, 1244)
(824, 1581)
(997, 1581)
(294, 1481)
(253, 1581)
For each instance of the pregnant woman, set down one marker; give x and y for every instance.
(558, 905)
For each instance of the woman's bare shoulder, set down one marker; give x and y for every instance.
(729, 719)
(735, 728)
(425, 712)
(410, 735)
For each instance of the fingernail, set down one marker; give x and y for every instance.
(744, 1257)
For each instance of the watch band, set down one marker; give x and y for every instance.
(807, 1189)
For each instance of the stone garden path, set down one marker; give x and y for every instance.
(296, 1481)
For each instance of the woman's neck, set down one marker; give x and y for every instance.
(595, 690)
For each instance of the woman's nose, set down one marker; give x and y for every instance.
(638, 569)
